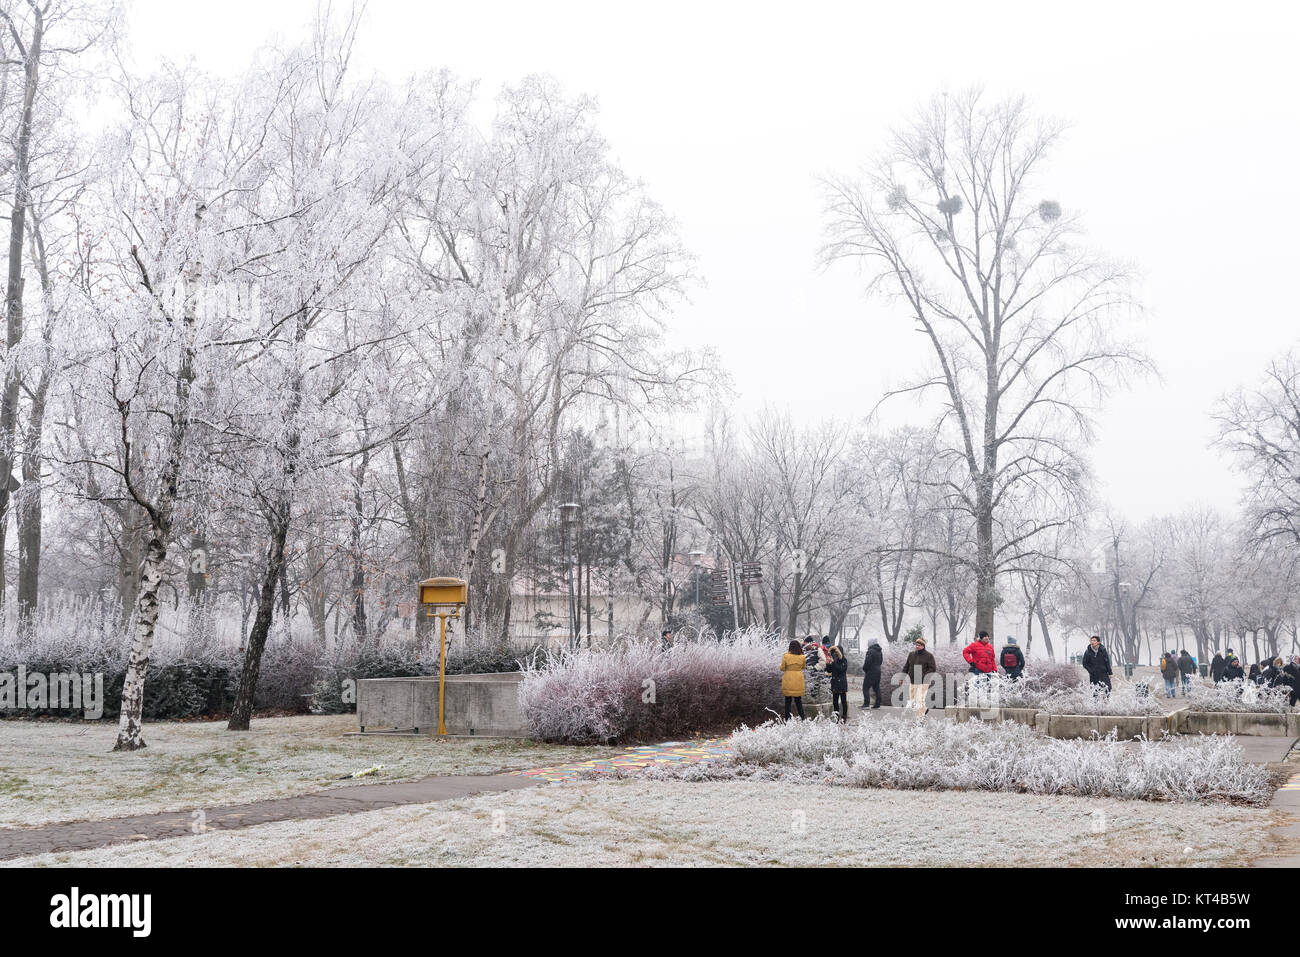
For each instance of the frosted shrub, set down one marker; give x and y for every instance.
(1241, 696)
(1094, 699)
(637, 691)
(1056, 675)
(947, 657)
(948, 755)
(1034, 691)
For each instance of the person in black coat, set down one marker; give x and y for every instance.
(1233, 671)
(871, 666)
(838, 668)
(1096, 661)
(1293, 670)
(1217, 664)
(1186, 667)
(1012, 659)
(1274, 676)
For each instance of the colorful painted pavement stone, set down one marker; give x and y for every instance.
(639, 757)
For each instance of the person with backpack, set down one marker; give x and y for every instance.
(1013, 659)
(1169, 671)
(871, 666)
(1187, 668)
(1096, 661)
(838, 668)
(792, 683)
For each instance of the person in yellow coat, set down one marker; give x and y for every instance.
(792, 686)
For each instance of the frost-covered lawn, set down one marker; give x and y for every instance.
(54, 771)
(676, 823)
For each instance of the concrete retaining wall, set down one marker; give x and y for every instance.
(474, 705)
(1126, 727)
(1181, 721)
(1233, 722)
(1019, 715)
(1073, 725)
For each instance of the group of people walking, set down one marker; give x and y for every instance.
(1277, 673)
(1178, 669)
(1175, 665)
(817, 654)
(920, 664)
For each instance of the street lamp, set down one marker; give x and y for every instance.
(697, 562)
(570, 515)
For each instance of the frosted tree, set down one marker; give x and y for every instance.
(1260, 426)
(44, 44)
(1026, 326)
(898, 491)
(324, 213)
(167, 215)
(557, 269)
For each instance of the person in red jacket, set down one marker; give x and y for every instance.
(979, 655)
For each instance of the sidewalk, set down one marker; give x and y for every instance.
(84, 835)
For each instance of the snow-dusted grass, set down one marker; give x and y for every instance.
(1240, 696)
(980, 756)
(60, 771)
(639, 692)
(669, 823)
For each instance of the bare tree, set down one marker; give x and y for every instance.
(1261, 428)
(1026, 326)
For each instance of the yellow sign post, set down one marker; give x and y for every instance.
(443, 597)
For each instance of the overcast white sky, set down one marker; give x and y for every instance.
(1181, 156)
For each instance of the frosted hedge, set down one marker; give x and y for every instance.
(979, 756)
(638, 692)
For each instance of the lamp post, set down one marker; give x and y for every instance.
(570, 515)
(697, 562)
(444, 598)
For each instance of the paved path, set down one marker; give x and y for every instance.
(84, 835)
(1287, 799)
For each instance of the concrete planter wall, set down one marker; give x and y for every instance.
(1126, 727)
(1235, 722)
(1073, 725)
(1025, 716)
(474, 705)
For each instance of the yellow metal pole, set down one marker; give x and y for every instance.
(442, 673)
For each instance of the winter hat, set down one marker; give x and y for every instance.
(920, 641)
(872, 641)
(1011, 639)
